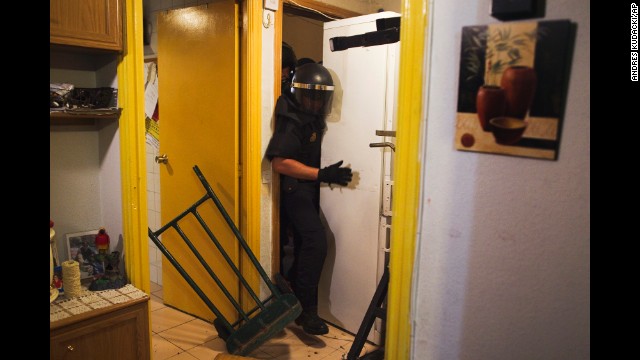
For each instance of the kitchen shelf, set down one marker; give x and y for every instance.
(86, 114)
(80, 117)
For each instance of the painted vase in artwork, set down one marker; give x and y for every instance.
(490, 103)
(519, 84)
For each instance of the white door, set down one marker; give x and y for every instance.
(357, 225)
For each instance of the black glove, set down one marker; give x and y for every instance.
(335, 174)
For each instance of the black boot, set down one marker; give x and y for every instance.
(311, 323)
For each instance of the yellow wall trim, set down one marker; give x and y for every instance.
(251, 135)
(132, 151)
(407, 178)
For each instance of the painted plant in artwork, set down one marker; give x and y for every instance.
(512, 86)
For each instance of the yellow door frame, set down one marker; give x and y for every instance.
(132, 148)
(250, 136)
(406, 196)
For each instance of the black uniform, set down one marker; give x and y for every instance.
(298, 136)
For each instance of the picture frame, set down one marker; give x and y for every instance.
(85, 255)
(57, 279)
(512, 87)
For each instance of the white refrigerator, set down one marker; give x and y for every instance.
(358, 217)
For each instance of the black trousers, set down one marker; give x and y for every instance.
(300, 201)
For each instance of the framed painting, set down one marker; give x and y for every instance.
(512, 87)
(81, 247)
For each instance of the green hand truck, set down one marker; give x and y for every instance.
(256, 325)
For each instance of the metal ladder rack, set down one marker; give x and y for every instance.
(376, 310)
(254, 326)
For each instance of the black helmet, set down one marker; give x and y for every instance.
(288, 58)
(312, 89)
(304, 60)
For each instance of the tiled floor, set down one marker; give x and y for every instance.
(178, 336)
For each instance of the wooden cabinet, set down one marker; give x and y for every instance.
(95, 24)
(119, 331)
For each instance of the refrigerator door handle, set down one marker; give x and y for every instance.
(383, 144)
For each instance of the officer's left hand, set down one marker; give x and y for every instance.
(335, 174)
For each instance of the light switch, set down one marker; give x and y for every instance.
(271, 5)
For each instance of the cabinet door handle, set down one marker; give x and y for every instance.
(162, 159)
(70, 347)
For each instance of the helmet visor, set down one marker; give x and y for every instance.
(313, 99)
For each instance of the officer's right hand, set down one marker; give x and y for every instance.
(335, 174)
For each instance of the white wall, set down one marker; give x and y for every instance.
(74, 185)
(503, 259)
(266, 189)
(84, 160)
(304, 35)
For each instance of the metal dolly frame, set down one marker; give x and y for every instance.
(260, 323)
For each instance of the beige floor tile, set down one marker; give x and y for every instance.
(343, 340)
(163, 348)
(167, 318)
(209, 349)
(278, 338)
(302, 351)
(336, 355)
(191, 334)
(367, 348)
(155, 303)
(286, 332)
(299, 345)
(294, 337)
(155, 287)
(338, 339)
(158, 293)
(336, 333)
(259, 354)
(183, 356)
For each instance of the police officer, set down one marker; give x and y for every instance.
(294, 152)
(289, 61)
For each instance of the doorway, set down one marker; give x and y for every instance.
(363, 105)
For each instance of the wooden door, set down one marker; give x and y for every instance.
(199, 125)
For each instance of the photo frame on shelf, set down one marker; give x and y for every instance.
(81, 247)
(57, 279)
